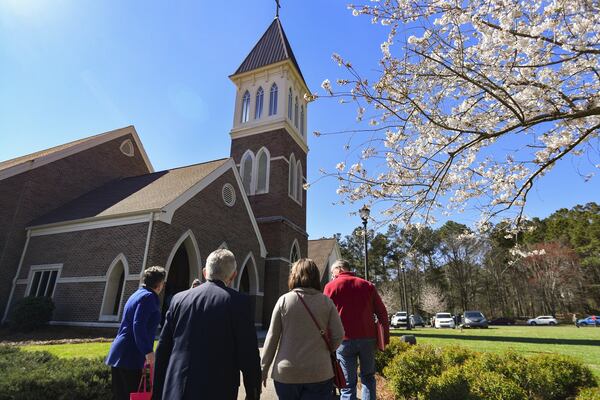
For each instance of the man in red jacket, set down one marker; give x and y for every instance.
(357, 302)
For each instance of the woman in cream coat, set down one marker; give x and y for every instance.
(302, 366)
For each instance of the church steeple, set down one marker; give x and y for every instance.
(270, 89)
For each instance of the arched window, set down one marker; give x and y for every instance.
(113, 291)
(290, 105)
(262, 175)
(273, 100)
(246, 168)
(295, 252)
(299, 177)
(245, 107)
(302, 121)
(292, 177)
(296, 112)
(259, 103)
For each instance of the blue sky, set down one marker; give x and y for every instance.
(74, 68)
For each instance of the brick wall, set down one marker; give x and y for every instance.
(31, 194)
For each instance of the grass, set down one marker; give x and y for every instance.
(81, 350)
(582, 343)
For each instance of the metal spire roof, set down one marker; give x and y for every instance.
(271, 48)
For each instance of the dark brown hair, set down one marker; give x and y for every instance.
(304, 274)
(153, 276)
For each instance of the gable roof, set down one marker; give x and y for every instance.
(138, 194)
(319, 251)
(27, 162)
(271, 48)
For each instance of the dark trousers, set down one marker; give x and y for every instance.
(124, 382)
(305, 391)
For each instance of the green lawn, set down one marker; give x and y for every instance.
(83, 350)
(582, 343)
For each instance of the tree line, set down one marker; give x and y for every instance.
(551, 267)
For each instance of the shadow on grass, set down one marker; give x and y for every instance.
(508, 339)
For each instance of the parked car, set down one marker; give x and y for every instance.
(399, 319)
(417, 320)
(503, 321)
(474, 319)
(592, 320)
(444, 320)
(543, 320)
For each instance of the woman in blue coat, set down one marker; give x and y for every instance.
(134, 343)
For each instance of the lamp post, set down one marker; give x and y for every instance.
(403, 268)
(364, 215)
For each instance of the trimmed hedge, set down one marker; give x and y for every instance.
(429, 373)
(31, 313)
(40, 375)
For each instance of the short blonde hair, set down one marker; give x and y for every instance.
(304, 274)
(220, 265)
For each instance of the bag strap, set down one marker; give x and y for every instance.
(321, 331)
(143, 380)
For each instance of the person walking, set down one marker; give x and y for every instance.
(302, 367)
(357, 301)
(134, 344)
(207, 339)
(575, 320)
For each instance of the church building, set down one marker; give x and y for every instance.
(81, 221)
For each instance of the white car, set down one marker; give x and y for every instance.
(543, 320)
(443, 320)
(399, 319)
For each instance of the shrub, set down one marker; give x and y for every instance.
(409, 372)
(383, 358)
(30, 313)
(450, 385)
(40, 375)
(494, 386)
(556, 377)
(589, 394)
(456, 355)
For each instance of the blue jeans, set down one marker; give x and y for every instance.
(348, 353)
(304, 391)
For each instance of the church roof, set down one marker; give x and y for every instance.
(24, 163)
(136, 194)
(271, 48)
(319, 251)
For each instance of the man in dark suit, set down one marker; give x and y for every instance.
(207, 339)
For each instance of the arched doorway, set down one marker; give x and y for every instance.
(247, 281)
(183, 266)
(244, 282)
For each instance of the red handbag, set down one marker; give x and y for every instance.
(339, 380)
(146, 394)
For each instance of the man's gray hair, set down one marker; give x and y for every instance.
(220, 265)
(341, 264)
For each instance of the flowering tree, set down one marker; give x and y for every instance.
(482, 100)
(432, 300)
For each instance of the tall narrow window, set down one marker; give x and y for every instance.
(296, 112)
(245, 107)
(299, 177)
(113, 291)
(273, 100)
(295, 253)
(302, 121)
(292, 177)
(262, 178)
(43, 283)
(290, 105)
(246, 167)
(259, 103)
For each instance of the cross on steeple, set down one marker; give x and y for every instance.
(277, 9)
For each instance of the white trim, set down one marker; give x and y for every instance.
(292, 184)
(268, 172)
(86, 324)
(77, 148)
(224, 246)
(110, 317)
(42, 267)
(279, 123)
(147, 247)
(195, 271)
(82, 279)
(238, 280)
(169, 210)
(230, 187)
(88, 224)
(287, 260)
(21, 281)
(263, 249)
(296, 244)
(280, 158)
(16, 278)
(299, 182)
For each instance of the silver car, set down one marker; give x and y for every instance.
(543, 320)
